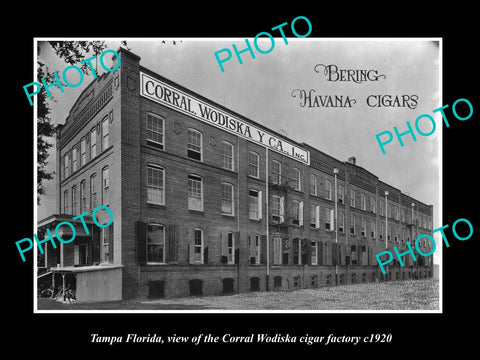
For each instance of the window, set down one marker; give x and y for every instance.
(297, 212)
(381, 230)
(230, 248)
(389, 208)
(93, 192)
(198, 246)
(364, 227)
(257, 249)
(227, 155)
(83, 152)
(105, 245)
(155, 132)
(341, 194)
(372, 228)
(352, 224)
(395, 212)
(156, 243)
(67, 165)
(227, 199)
(328, 189)
(83, 197)
(313, 253)
(278, 208)
(403, 215)
(74, 159)
(74, 200)
(93, 144)
(329, 219)
(255, 204)
(313, 184)
(314, 216)
(66, 209)
(297, 179)
(380, 207)
(352, 198)
(389, 231)
(296, 281)
(363, 202)
(105, 133)
(341, 222)
(253, 164)
(194, 144)
(372, 204)
(195, 197)
(105, 186)
(156, 185)
(277, 251)
(297, 253)
(276, 172)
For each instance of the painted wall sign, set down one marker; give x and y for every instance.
(178, 100)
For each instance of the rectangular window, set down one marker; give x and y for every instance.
(277, 251)
(389, 235)
(352, 197)
(329, 219)
(278, 208)
(364, 227)
(74, 201)
(352, 224)
(66, 209)
(313, 184)
(93, 192)
(227, 155)
(253, 162)
(389, 208)
(194, 144)
(372, 204)
(93, 144)
(83, 152)
(67, 165)
(231, 248)
(276, 172)
(403, 215)
(313, 216)
(105, 186)
(341, 222)
(328, 189)
(83, 197)
(105, 133)
(297, 212)
(257, 249)
(381, 230)
(363, 202)
(155, 132)
(313, 253)
(395, 210)
(198, 246)
(255, 204)
(104, 247)
(156, 185)
(156, 243)
(297, 179)
(372, 228)
(74, 160)
(227, 199)
(195, 193)
(341, 194)
(380, 207)
(297, 253)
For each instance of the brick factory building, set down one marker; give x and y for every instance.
(206, 201)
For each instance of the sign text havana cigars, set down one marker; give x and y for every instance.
(176, 99)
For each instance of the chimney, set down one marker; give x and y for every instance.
(352, 160)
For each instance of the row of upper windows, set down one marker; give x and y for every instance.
(76, 201)
(86, 150)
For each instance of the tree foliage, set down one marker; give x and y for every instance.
(72, 52)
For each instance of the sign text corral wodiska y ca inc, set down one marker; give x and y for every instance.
(176, 99)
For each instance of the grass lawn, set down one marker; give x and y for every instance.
(393, 295)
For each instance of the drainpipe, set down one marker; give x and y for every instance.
(386, 228)
(267, 221)
(335, 172)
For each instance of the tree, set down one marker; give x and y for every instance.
(72, 52)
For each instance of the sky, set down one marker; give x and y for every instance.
(261, 89)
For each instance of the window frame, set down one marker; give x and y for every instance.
(156, 143)
(191, 145)
(151, 189)
(313, 184)
(93, 144)
(199, 179)
(297, 179)
(152, 262)
(225, 157)
(232, 200)
(258, 210)
(105, 133)
(328, 189)
(252, 165)
(201, 246)
(278, 175)
(93, 191)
